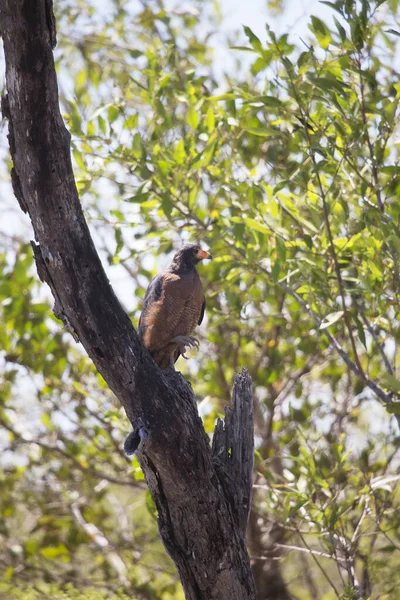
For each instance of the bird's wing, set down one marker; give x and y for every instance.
(203, 309)
(153, 294)
(163, 309)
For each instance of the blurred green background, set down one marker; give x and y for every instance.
(276, 146)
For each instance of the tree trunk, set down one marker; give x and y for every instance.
(202, 498)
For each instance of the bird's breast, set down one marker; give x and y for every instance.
(192, 301)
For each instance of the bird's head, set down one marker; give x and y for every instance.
(188, 256)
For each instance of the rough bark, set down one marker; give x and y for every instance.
(200, 522)
(233, 450)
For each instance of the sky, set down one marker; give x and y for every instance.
(255, 13)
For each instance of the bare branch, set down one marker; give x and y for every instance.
(100, 540)
(309, 551)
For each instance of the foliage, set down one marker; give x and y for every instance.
(69, 593)
(290, 174)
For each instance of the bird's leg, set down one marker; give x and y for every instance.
(186, 340)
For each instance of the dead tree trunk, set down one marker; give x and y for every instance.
(202, 498)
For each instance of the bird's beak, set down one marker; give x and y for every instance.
(203, 254)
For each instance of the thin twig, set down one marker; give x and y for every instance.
(376, 340)
(309, 551)
(101, 541)
(369, 143)
(387, 398)
(56, 450)
(335, 261)
(321, 568)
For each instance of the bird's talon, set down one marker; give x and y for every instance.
(187, 340)
(182, 350)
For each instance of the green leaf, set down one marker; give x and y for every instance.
(137, 145)
(393, 31)
(167, 205)
(321, 31)
(253, 224)
(335, 6)
(392, 382)
(79, 388)
(179, 153)
(242, 48)
(299, 504)
(46, 420)
(330, 84)
(262, 131)
(192, 118)
(267, 100)
(210, 119)
(319, 26)
(78, 156)
(52, 552)
(357, 33)
(331, 319)
(7, 575)
(361, 332)
(31, 547)
(142, 193)
(253, 39)
(119, 239)
(113, 114)
(341, 29)
(102, 124)
(276, 269)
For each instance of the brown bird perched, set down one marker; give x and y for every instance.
(173, 305)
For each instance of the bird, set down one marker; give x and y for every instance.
(174, 304)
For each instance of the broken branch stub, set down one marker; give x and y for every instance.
(233, 449)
